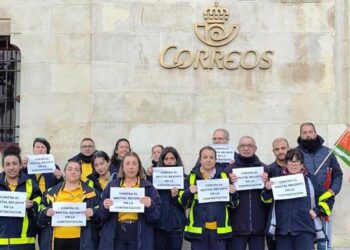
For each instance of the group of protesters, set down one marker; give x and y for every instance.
(250, 218)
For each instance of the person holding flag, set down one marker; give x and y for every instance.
(323, 165)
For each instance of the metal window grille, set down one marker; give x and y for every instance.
(10, 58)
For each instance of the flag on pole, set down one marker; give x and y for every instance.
(342, 148)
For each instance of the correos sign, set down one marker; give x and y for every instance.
(215, 33)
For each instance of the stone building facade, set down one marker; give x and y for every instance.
(92, 68)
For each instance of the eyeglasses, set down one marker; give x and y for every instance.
(250, 146)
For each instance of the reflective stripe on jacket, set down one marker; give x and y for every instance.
(198, 211)
(18, 230)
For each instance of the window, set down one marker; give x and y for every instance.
(10, 58)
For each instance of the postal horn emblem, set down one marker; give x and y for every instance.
(213, 32)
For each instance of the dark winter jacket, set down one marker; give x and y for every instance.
(172, 215)
(95, 184)
(200, 213)
(292, 215)
(313, 160)
(251, 215)
(115, 165)
(11, 228)
(145, 220)
(88, 234)
(274, 169)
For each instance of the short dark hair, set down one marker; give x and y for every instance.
(307, 124)
(172, 150)
(87, 139)
(11, 151)
(99, 154)
(140, 173)
(43, 141)
(294, 153)
(207, 148)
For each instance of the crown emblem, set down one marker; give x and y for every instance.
(216, 14)
(213, 32)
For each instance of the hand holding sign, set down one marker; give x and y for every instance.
(89, 212)
(264, 177)
(193, 189)
(57, 173)
(50, 212)
(29, 204)
(107, 203)
(268, 185)
(174, 192)
(146, 201)
(233, 177)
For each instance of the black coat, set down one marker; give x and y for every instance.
(250, 217)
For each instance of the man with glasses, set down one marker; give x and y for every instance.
(249, 219)
(330, 174)
(87, 149)
(220, 136)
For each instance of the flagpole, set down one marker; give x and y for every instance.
(330, 152)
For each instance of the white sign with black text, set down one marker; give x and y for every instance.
(40, 164)
(249, 178)
(225, 153)
(213, 190)
(168, 177)
(12, 204)
(127, 200)
(69, 214)
(288, 187)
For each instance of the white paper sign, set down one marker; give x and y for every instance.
(213, 190)
(69, 214)
(168, 177)
(225, 153)
(12, 204)
(127, 200)
(288, 187)
(39, 164)
(249, 178)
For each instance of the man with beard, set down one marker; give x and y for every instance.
(248, 220)
(280, 148)
(330, 174)
(87, 149)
